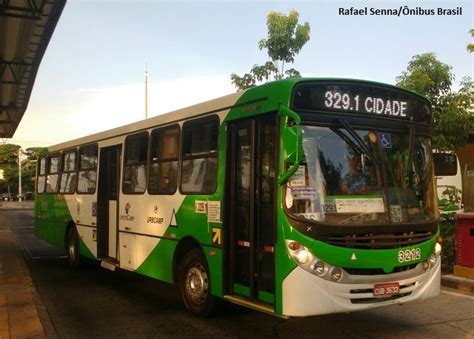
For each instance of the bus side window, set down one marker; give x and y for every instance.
(67, 184)
(134, 172)
(87, 175)
(52, 173)
(199, 153)
(164, 160)
(41, 176)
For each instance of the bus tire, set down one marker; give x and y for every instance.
(72, 247)
(195, 284)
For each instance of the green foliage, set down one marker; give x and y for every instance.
(9, 165)
(433, 79)
(427, 76)
(285, 39)
(34, 153)
(470, 47)
(9, 154)
(453, 199)
(448, 227)
(448, 233)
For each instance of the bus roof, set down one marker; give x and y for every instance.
(283, 89)
(206, 107)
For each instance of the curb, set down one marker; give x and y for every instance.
(458, 283)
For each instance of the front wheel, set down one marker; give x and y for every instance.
(195, 284)
(72, 247)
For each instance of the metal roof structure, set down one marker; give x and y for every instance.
(26, 27)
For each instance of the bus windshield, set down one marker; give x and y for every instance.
(362, 176)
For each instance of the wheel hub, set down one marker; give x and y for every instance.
(197, 283)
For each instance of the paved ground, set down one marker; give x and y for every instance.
(19, 316)
(93, 302)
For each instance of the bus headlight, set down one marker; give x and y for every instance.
(318, 267)
(336, 273)
(307, 261)
(435, 255)
(302, 256)
(299, 253)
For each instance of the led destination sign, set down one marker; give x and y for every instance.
(348, 102)
(361, 98)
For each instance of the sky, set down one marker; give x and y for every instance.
(92, 75)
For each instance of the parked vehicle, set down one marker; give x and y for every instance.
(448, 182)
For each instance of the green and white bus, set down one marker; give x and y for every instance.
(297, 197)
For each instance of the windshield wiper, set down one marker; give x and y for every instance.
(357, 143)
(411, 147)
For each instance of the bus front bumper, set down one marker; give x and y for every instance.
(305, 294)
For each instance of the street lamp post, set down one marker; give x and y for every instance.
(19, 175)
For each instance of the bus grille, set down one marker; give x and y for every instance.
(378, 300)
(377, 271)
(379, 241)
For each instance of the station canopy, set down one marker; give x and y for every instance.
(26, 27)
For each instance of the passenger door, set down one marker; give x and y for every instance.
(251, 201)
(107, 201)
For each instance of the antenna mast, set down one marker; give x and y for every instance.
(146, 91)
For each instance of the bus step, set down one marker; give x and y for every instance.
(253, 304)
(110, 264)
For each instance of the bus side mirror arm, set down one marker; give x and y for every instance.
(291, 137)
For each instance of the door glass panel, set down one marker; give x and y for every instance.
(266, 227)
(242, 224)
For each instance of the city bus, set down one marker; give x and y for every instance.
(298, 197)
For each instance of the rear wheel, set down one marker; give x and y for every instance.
(195, 284)
(72, 247)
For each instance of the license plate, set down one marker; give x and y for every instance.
(386, 290)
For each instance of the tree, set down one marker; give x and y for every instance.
(470, 47)
(285, 40)
(428, 76)
(9, 154)
(34, 153)
(9, 165)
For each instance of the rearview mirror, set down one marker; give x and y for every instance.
(291, 136)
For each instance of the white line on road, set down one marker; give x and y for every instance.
(458, 294)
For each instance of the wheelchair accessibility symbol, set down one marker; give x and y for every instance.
(385, 140)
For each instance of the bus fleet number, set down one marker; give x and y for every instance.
(409, 255)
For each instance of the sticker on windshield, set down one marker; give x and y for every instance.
(360, 205)
(298, 179)
(396, 213)
(303, 193)
(385, 140)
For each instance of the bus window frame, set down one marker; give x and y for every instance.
(41, 175)
(146, 162)
(154, 133)
(76, 168)
(214, 118)
(79, 168)
(48, 172)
